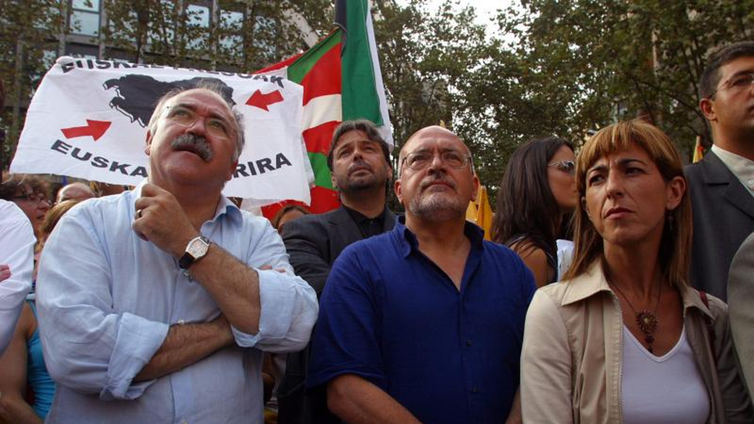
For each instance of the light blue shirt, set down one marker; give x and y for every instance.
(106, 299)
(17, 251)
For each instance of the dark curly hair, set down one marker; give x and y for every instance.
(15, 185)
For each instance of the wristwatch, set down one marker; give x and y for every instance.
(195, 250)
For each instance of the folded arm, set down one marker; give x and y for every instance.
(186, 344)
(357, 401)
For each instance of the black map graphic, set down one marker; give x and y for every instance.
(137, 95)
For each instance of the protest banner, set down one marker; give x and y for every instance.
(88, 119)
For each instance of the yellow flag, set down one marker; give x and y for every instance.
(480, 212)
(698, 150)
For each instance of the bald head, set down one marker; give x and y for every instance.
(75, 191)
(436, 176)
(434, 133)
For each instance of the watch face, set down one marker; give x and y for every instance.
(197, 248)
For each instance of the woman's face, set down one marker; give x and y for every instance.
(34, 205)
(627, 197)
(560, 176)
(288, 216)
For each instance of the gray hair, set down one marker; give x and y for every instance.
(214, 88)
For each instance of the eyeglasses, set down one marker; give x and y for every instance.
(34, 198)
(567, 166)
(421, 160)
(737, 82)
(186, 117)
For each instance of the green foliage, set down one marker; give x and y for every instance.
(26, 29)
(618, 59)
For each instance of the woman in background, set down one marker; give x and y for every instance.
(536, 195)
(288, 213)
(623, 338)
(22, 363)
(30, 193)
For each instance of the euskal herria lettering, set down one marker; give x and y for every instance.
(248, 169)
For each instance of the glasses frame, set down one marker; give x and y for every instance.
(227, 125)
(562, 164)
(35, 198)
(726, 84)
(466, 158)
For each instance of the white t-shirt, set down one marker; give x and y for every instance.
(664, 389)
(17, 251)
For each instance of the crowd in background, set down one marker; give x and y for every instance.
(600, 299)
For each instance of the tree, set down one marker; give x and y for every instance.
(25, 29)
(240, 36)
(616, 59)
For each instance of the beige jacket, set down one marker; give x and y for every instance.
(572, 355)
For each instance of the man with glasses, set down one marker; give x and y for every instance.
(155, 305)
(722, 184)
(424, 323)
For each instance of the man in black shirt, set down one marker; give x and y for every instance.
(359, 160)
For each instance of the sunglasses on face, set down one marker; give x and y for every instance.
(567, 166)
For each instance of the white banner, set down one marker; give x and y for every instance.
(88, 119)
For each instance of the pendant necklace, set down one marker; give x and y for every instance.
(645, 320)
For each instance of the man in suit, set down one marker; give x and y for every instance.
(722, 184)
(359, 160)
(741, 290)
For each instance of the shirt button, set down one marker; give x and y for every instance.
(468, 342)
(475, 390)
(181, 322)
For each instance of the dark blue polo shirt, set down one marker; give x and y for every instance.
(393, 317)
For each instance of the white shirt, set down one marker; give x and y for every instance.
(664, 389)
(740, 166)
(17, 251)
(106, 299)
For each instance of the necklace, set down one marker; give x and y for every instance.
(645, 320)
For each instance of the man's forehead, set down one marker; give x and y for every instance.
(434, 139)
(199, 96)
(354, 136)
(739, 64)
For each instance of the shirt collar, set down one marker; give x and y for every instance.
(593, 281)
(224, 207)
(359, 217)
(740, 166)
(410, 243)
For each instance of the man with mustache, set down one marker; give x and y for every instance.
(155, 305)
(359, 160)
(424, 323)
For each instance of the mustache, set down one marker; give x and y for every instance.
(193, 143)
(435, 179)
(359, 165)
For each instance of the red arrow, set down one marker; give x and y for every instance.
(96, 129)
(263, 100)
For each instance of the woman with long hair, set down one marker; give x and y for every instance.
(623, 338)
(537, 193)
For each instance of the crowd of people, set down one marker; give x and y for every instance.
(601, 297)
